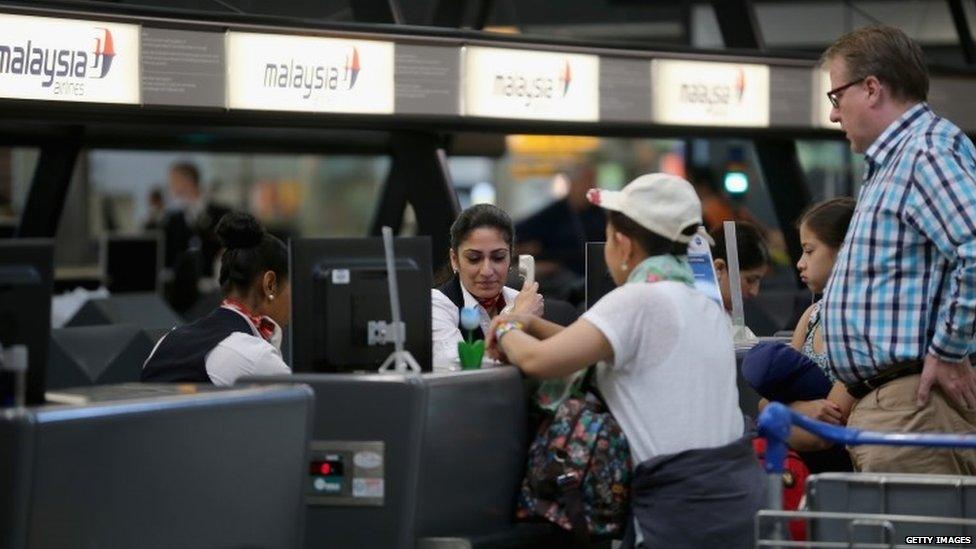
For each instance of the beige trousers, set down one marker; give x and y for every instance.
(892, 407)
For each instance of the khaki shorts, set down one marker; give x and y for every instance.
(892, 407)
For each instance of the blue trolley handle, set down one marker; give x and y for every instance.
(776, 419)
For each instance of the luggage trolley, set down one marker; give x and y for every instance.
(875, 510)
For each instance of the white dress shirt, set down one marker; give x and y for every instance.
(241, 354)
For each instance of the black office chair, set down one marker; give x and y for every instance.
(560, 312)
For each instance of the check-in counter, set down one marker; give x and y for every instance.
(431, 460)
(156, 467)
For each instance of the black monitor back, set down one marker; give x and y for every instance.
(155, 467)
(598, 280)
(132, 263)
(26, 284)
(339, 285)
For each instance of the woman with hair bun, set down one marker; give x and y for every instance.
(242, 336)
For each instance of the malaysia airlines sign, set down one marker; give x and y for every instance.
(506, 83)
(68, 60)
(699, 93)
(298, 73)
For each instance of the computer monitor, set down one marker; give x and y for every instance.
(339, 292)
(26, 284)
(598, 280)
(131, 263)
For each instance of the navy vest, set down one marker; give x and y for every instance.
(181, 357)
(452, 289)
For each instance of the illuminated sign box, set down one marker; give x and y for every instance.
(700, 93)
(534, 85)
(821, 105)
(300, 73)
(68, 60)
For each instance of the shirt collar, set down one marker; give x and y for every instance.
(264, 326)
(472, 302)
(884, 146)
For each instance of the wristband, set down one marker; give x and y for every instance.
(506, 327)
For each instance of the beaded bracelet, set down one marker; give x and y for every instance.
(506, 327)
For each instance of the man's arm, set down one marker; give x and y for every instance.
(943, 208)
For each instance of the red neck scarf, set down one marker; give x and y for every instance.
(264, 325)
(493, 304)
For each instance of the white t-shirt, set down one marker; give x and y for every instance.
(240, 354)
(444, 324)
(671, 384)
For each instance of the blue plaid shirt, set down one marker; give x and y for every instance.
(905, 279)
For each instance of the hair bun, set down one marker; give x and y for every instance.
(239, 230)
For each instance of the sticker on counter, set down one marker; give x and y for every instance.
(340, 276)
(367, 487)
(367, 460)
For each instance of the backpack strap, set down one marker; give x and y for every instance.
(571, 498)
(588, 387)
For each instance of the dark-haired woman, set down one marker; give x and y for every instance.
(753, 261)
(482, 244)
(242, 336)
(666, 369)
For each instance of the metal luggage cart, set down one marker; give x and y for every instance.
(866, 510)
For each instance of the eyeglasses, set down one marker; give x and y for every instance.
(834, 94)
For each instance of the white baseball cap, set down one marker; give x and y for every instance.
(661, 203)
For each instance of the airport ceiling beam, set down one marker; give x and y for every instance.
(376, 11)
(419, 176)
(49, 187)
(738, 24)
(958, 12)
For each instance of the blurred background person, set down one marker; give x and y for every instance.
(157, 210)
(556, 235)
(191, 241)
(754, 261)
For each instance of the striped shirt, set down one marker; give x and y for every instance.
(904, 283)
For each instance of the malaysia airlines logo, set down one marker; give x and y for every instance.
(740, 85)
(566, 77)
(352, 67)
(104, 52)
(65, 69)
(314, 78)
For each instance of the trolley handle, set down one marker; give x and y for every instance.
(776, 419)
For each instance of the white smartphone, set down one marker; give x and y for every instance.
(526, 268)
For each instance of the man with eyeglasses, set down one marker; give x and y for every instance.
(900, 307)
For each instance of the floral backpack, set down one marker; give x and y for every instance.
(579, 468)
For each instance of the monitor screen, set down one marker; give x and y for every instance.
(26, 284)
(131, 263)
(340, 293)
(598, 280)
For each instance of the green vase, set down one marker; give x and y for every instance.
(470, 354)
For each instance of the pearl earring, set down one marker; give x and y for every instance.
(624, 266)
(270, 297)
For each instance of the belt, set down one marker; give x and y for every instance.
(891, 373)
